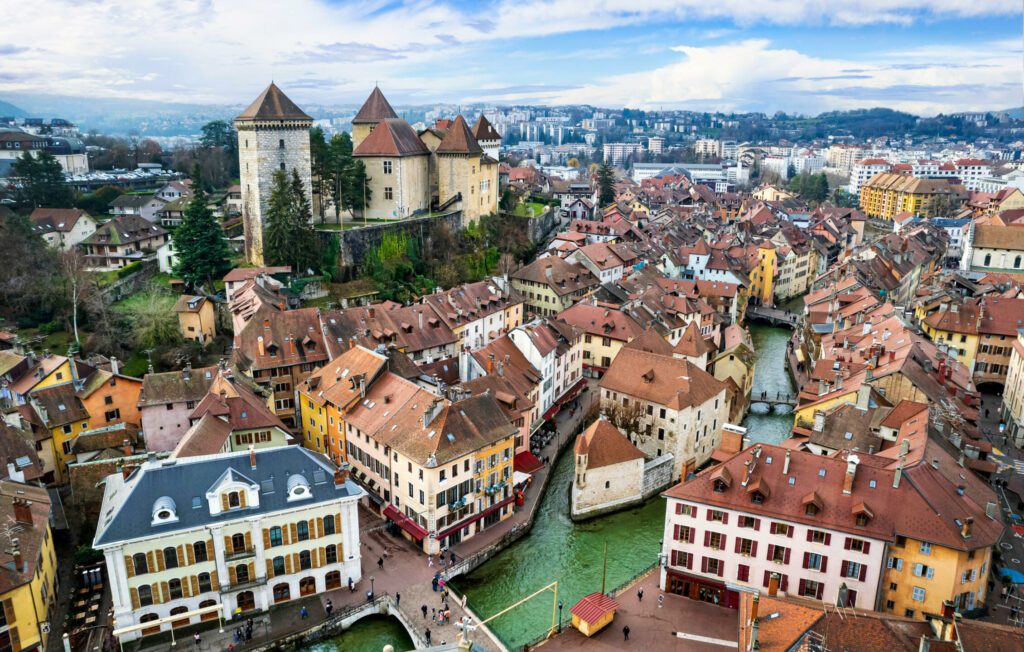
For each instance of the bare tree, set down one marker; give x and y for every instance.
(628, 418)
(79, 286)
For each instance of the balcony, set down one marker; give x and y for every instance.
(240, 554)
(242, 586)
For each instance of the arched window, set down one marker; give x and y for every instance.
(212, 615)
(988, 260)
(242, 573)
(174, 587)
(282, 166)
(275, 536)
(303, 530)
(282, 592)
(233, 499)
(140, 563)
(237, 542)
(170, 557)
(607, 484)
(305, 561)
(331, 554)
(199, 550)
(184, 621)
(204, 582)
(307, 586)
(146, 618)
(332, 580)
(246, 601)
(145, 595)
(328, 525)
(279, 566)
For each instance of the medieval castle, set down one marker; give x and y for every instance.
(442, 168)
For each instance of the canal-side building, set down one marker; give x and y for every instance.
(665, 405)
(238, 532)
(899, 533)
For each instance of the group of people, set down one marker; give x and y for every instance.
(243, 634)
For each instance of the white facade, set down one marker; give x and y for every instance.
(751, 545)
(863, 171)
(617, 153)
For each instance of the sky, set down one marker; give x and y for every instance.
(804, 56)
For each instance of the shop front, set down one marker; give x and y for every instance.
(701, 588)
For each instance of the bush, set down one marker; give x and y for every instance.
(128, 270)
(86, 556)
(49, 328)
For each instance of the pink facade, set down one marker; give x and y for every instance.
(711, 553)
(164, 424)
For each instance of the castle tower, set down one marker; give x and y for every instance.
(463, 169)
(374, 109)
(487, 136)
(273, 134)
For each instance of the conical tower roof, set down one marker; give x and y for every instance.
(459, 139)
(374, 109)
(273, 104)
(484, 130)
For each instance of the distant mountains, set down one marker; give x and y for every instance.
(9, 110)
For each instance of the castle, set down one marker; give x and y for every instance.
(442, 168)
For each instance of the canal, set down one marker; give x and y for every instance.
(558, 549)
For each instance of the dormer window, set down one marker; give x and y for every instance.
(757, 498)
(298, 488)
(811, 509)
(234, 500)
(720, 487)
(164, 511)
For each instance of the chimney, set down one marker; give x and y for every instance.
(421, 318)
(991, 509)
(819, 421)
(114, 366)
(746, 473)
(898, 475)
(22, 511)
(863, 396)
(259, 343)
(773, 584)
(948, 609)
(965, 530)
(252, 457)
(266, 324)
(16, 553)
(351, 342)
(851, 471)
(341, 475)
(490, 364)
(126, 447)
(904, 447)
(785, 464)
(548, 273)
(935, 462)
(186, 373)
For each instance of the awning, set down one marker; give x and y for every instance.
(552, 411)
(401, 520)
(571, 393)
(475, 517)
(518, 478)
(526, 462)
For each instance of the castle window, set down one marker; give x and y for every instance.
(280, 143)
(282, 166)
(389, 193)
(199, 551)
(387, 167)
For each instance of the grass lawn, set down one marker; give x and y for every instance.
(136, 366)
(54, 342)
(523, 210)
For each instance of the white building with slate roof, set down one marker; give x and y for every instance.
(238, 531)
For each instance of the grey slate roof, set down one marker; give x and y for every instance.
(127, 510)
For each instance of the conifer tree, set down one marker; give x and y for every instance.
(606, 184)
(290, 238)
(199, 241)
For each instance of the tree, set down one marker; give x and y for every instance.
(153, 321)
(290, 238)
(357, 191)
(573, 162)
(42, 182)
(944, 205)
(29, 283)
(218, 134)
(790, 171)
(629, 419)
(320, 162)
(606, 184)
(98, 201)
(199, 241)
(78, 283)
(339, 170)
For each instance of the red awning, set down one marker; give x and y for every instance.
(550, 414)
(475, 517)
(401, 520)
(526, 462)
(594, 607)
(572, 392)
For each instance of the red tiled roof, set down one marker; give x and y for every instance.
(392, 137)
(374, 109)
(593, 607)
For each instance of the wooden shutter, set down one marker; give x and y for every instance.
(243, 498)
(721, 568)
(323, 557)
(227, 545)
(846, 543)
(288, 564)
(270, 568)
(181, 556)
(824, 563)
(232, 576)
(757, 524)
(252, 570)
(314, 560)
(709, 513)
(224, 502)
(753, 548)
(159, 559)
(725, 519)
(266, 538)
(771, 528)
(785, 560)
(214, 582)
(863, 572)
(807, 559)
(767, 576)
(209, 550)
(707, 538)
(166, 592)
(704, 565)
(151, 558)
(737, 546)
(810, 534)
(248, 540)
(129, 566)
(843, 567)
(721, 543)
(194, 580)
(803, 585)
(867, 547)
(294, 531)
(337, 523)
(771, 551)
(190, 554)
(828, 539)
(312, 528)
(296, 562)
(135, 598)
(186, 588)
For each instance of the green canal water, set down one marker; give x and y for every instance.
(558, 549)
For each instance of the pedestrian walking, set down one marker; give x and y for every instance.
(303, 613)
(640, 595)
(428, 635)
(398, 599)
(430, 561)
(380, 563)
(440, 583)
(452, 557)
(433, 613)
(625, 633)
(329, 608)
(433, 584)
(424, 610)
(447, 614)
(195, 637)
(351, 586)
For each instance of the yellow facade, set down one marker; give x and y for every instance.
(804, 415)
(939, 574)
(888, 194)
(315, 426)
(60, 375)
(965, 344)
(198, 325)
(27, 607)
(61, 441)
(762, 277)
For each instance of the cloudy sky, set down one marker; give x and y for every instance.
(923, 56)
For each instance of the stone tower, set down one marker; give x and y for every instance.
(374, 109)
(487, 136)
(464, 170)
(273, 134)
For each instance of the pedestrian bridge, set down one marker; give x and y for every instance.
(774, 316)
(773, 400)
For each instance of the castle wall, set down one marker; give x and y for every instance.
(408, 181)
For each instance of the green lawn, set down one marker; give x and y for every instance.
(522, 210)
(54, 342)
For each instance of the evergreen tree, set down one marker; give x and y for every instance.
(199, 241)
(306, 245)
(357, 189)
(290, 238)
(42, 182)
(338, 168)
(320, 155)
(606, 184)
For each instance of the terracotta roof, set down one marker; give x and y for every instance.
(602, 321)
(692, 344)
(604, 445)
(483, 130)
(63, 220)
(650, 341)
(17, 447)
(176, 386)
(60, 405)
(565, 277)
(247, 273)
(272, 104)
(392, 137)
(340, 381)
(30, 536)
(293, 336)
(593, 607)
(374, 109)
(659, 379)
(459, 140)
(125, 229)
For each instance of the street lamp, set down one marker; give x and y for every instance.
(559, 616)
(371, 587)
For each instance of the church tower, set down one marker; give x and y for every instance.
(374, 109)
(273, 135)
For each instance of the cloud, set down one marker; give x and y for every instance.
(349, 52)
(754, 75)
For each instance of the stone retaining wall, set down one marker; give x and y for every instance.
(355, 243)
